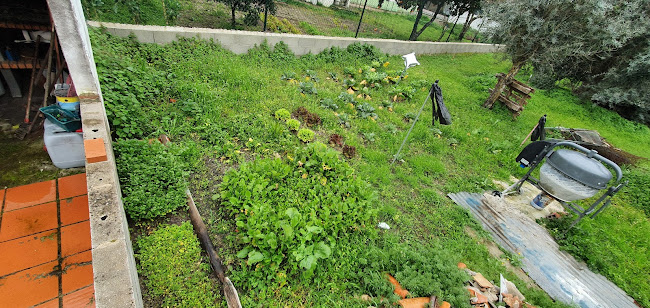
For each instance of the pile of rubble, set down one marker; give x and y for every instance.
(484, 294)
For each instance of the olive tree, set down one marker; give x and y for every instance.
(601, 46)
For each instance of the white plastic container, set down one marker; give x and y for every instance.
(66, 149)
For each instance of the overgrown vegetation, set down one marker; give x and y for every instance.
(173, 269)
(225, 105)
(149, 189)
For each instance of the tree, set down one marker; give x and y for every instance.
(601, 46)
(419, 6)
(252, 8)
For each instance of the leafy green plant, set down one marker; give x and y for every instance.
(347, 98)
(329, 103)
(344, 120)
(151, 178)
(306, 135)
(282, 114)
(308, 88)
(365, 110)
(311, 75)
(391, 128)
(370, 137)
(349, 83)
(373, 77)
(288, 76)
(334, 76)
(170, 261)
(410, 116)
(293, 124)
(289, 212)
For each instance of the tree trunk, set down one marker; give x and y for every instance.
(501, 85)
(428, 23)
(452, 28)
(468, 22)
(413, 35)
(232, 20)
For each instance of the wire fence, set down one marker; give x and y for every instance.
(380, 19)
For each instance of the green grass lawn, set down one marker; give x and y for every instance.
(219, 110)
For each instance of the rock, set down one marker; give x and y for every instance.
(484, 283)
(366, 297)
(462, 265)
(383, 225)
(417, 302)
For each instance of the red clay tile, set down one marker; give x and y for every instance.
(83, 298)
(27, 195)
(28, 221)
(53, 303)
(75, 238)
(71, 186)
(2, 197)
(77, 271)
(28, 251)
(95, 150)
(30, 287)
(74, 210)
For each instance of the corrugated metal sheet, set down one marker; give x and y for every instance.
(557, 272)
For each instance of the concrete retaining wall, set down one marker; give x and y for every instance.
(241, 41)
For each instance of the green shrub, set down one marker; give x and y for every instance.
(152, 178)
(293, 124)
(306, 135)
(292, 213)
(174, 271)
(282, 114)
(277, 25)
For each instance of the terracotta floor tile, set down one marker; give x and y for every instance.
(74, 210)
(28, 221)
(53, 303)
(75, 238)
(2, 197)
(28, 251)
(30, 287)
(77, 271)
(82, 298)
(71, 186)
(27, 195)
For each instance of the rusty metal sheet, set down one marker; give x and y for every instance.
(555, 271)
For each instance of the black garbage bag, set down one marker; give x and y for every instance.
(539, 132)
(440, 111)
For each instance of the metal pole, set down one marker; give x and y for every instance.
(266, 12)
(413, 125)
(361, 18)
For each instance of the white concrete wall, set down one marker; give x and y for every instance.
(115, 276)
(241, 41)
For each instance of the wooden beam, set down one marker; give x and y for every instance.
(17, 65)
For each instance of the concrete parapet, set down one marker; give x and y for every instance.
(240, 42)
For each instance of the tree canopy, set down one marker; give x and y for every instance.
(601, 46)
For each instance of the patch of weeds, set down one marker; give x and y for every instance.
(309, 29)
(306, 135)
(174, 272)
(388, 105)
(289, 214)
(288, 76)
(151, 178)
(347, 98)
(333, 76)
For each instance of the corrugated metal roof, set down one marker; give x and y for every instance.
(555, 271)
